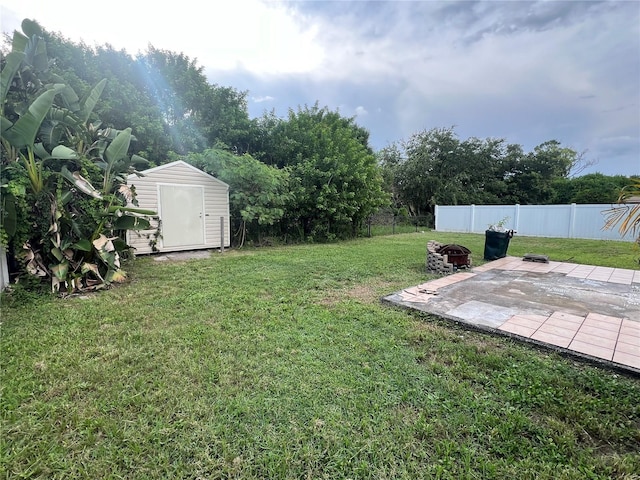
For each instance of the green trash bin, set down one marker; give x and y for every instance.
(496, 244)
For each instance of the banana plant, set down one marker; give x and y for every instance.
(110, 153)
(48, 142)
(21, 135)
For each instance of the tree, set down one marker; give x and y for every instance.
(590, 188)
(335, 181)
(196, 114)
(435, 167)
(531, 176)
(389, 158)
(164, 94)
(125, 100)
(225, 118)
(259, 193)
(422, 178)
(177, 86)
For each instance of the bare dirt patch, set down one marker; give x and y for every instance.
(367, 293)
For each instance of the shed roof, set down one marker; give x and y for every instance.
(175, 164)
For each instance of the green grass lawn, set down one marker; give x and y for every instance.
(282, 363)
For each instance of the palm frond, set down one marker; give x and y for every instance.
(627, 212)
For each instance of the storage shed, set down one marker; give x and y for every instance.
(193, 208)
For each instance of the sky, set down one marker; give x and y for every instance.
(523, 71)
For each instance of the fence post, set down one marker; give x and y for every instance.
(4, 270)
(369, 226)
(516, 220)
(572, 220)
(221, 234)
(472, 219)
(435, 219)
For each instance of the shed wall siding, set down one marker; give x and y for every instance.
(216, 204)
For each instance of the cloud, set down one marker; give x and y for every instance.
(264, 38)
(526, 71)
(361, 111)
(266, 98)
(518, 70)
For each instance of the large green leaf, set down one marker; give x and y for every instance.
(19, 42)
(137, 161)
(35, 47)
(36, 53)
(83, 245)
(89, 102)
(5, 124)
(71, 99)
(40, 151)
(129, 222)
(120, 245)
(65, 197)
(8, 218)
(119, 147)
(114, 153)
(62, 152)
(56, 252)
(24, 131)
(60, 121)
(12, 63)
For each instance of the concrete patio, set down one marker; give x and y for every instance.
(587, 311)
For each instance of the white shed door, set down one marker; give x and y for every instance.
(182, 215)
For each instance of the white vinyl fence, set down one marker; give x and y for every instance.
(557, 221)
